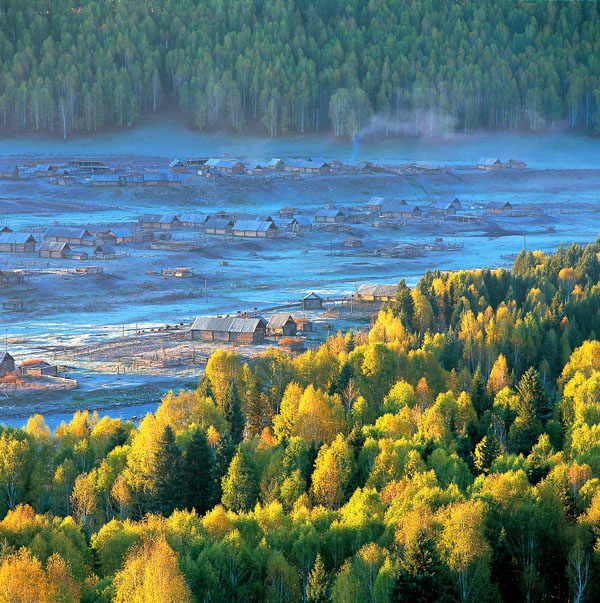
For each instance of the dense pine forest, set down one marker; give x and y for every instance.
(410, 68)
(449, 452)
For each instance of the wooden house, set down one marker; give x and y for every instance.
(303, 325)
(291, 345)
(232, 329)
(255, 229)
(276, 164)
(9, 171)
(118, 235)
(446, 205)
(407, 211)
(161, 221)
(196, 162)
(300, 224)
(286, 213)
(39, 369)
(105, 251)
(177, 167)
(73, 236)
(312, 301)
(53, 249)
(5, 229)
(330, 216)
(499, 207)
(13, 305)
(44, 170)
(364, 167)
(307, 166)
(192, 220)
(17, 242)
(218, 226)
(7, 364)
(225, 166)
(517, 164)
(375, 203)
(352, 242)
(81, 256)
(255, 169)
(281, 324)
(98, 180)
(392, 208)
(489, 164)
(11, 277)
(377, 292)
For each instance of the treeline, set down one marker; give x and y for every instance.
(450, 453)
(293, 65)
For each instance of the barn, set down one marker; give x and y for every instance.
(57, 250)
(377, 292)
(256, 229)
(233, 329)
(105, 251)
(17, 242)
(218, 226)
(73, 236)
(105, 180)
(499, 207)
(312, 301)
(281, 324)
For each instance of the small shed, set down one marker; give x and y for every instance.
(54, 249)
(17, 242)
(489, 164)
(105, 251)
(281, 324)
(498, 207)
(39, 369)
(377, 292)
(330, 216)
(312, 301)
(303, 325)
(13, 305)
(7, 364)
(77, 255)
(352, 242)
(232, 329)
(291, 345)
(177, 167)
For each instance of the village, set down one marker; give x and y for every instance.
(181, 257)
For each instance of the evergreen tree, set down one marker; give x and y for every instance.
(239, 484)
(531, 392)
(422, 577)
(224, 452)
(197, 469)
(204, 388)
(169, 491)
(479, 394)
(318, 583)
(486, 452)
(232, 408)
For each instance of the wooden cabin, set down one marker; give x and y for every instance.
(225, 166)
(177, 167)
(7, 364)
(119, 235)
(105, 251)
(352, 242)
(5, 229)
(39, 369)
(303, 325)
(73, 236)
(281, 324)
(98, 180)
(44, 170)
(392, 208)
(9, 171)
(11, 277)
(499, 207)
(255, 229)
(377, 292)
(286, 213)
(276, 164)
(255, 169)
(330, 216)
(57, 250)
(300, 224)
(312, 301)
(192, 220)
(13, 305)
(291, 345)
(489, 164)
(233, 329)
(375, 203)
(218, 226)
(81, 256)
(17, 242)
(446, 205)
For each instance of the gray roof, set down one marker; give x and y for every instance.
(278, 321)
(499, 204)
(255, 225)
(163, 177)
(233, 324)
(329, 213)
(120, 232)
(262, 218)
(312, 295)
(105, 178)
(217, 223)
(275, 161)
(301, 220)
(222, 163)
(378, 290)
(16, 238)
(376, 201)
(43, 167)
(54, 246)
(393, 205)
(5, 356)
(176, 162)
(65, 232)
(105, 248)
(193, 218)
(488, 161)
(160, 218)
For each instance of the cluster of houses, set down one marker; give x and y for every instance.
(493, 164)
(134, 178)
(216, 165)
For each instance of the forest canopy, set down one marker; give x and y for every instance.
(449, 453)
(410, 68)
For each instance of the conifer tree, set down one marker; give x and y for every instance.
(239, 484)
(318, 583)
(197, 469)
(169, 491)
(224, 452)
(232, 407)
(486, 452)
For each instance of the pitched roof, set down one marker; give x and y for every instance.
(176, 162)
(499, 204)
(378, 290)
(393, 205)
(488, 161)
(217, 223)
(193, 218)
(312, 295)
(278, 320)
(54, 246)
(106, 248)
(5, 356)
(254, 225)
(276, 161)
(43, 167)
(329, 213)
(105, 178)
(16, 238)
(66, 232)
(230, 324)
(120, 232)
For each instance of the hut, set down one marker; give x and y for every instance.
(498, 207)
(9, 171)
(300, 224)
(276, 164)
(303, 325)
(73, 236)
(177, 167)
(77, 255)
(7, 364)
(105, 251)
(166, 222)
(44, 170)
(192, 220)
(39, 369)
(5, 229)
(105, 180)
(517, 164)
(409, 211)
(352, 242)
(218, 226)
(392, 208)
(307, 166)
(158, 179)
(377, 292)
(312, 301)
(17, 242)
(54, 249)
(255, 169)
(13, 305)
(233, 329)
(330, 216)
(446, 205)
(225, 166)
(489, 164)
(286, 213)
(119, 235)
(196, 162)
(364, 167)
(11, 277)
(375, 203)
(255, 229)
(281, 324)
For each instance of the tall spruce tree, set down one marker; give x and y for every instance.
(169, 492)
(318, 583)
(197, 473)
(232, 406)
(224, 452)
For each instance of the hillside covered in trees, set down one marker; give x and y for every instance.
(449, 453)
(420, 68)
